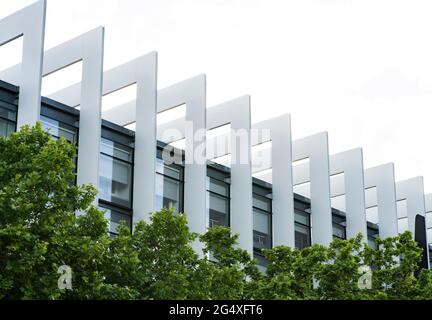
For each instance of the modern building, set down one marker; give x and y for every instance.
(296, 195)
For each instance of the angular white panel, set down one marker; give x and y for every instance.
(382, 177)
(29, 23)
(275, 162)
(346, 170)
(281, 176)
(315, 148)
(192, 93)
(350, 163)
(87, 48)
(142, 72)
(412, 191)
(237, 113)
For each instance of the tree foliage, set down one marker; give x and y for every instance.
(40, 231)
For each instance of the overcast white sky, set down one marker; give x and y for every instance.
(361, 70)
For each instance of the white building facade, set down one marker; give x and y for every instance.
(254, 178)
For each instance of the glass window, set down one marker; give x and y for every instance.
(262, 224)
(262, 203)
(372, 234)
(339, 230)
(218, 187)
(302, 217)
(169, 171)
(7, 114)
(6, 128)
(261, 229)
(115, 218)
(169, 186)
(302, 236)
(218, 210)
(218, 202)
(115, 173)
(116, 150)
(302, 229)
(372, 243)
(7, 122)
(59, 129)
(167, 193)
(430, 256)
(262, 263)
(429, 234)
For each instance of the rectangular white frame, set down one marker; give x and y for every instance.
(278, 131)
(382, 178)
(192, 93)
(281, 176)
(346, 179)
(237, 113)
(29, 23)
(315, 147)
(350, 164)
(412, 190)
(88, 48)
(141, 71)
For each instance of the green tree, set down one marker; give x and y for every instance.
(231, 272)
(291, 273)
(157, 261)
(394, 268)
(40, 231)
(338, 276)
(335, 272)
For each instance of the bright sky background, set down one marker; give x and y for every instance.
(361, 70)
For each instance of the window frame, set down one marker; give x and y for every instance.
(372, 234)
(269, 215)
(180, 180)
(222, 177)
(105, 205)
(71, 127)
(180, 167)
(338, 221)
(125, 138)
(130, 164)
(8, 103)
(301, 207)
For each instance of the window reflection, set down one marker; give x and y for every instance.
(7, 122)
(6, 128)
(115, 218)
(261, 222)
(218, 202)
(262, 263)
(169, 186)
(115, 173)
(372, 234)
(339, 230)
(430, 256)
(58, 129)
(302, 229)
(167, 193)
